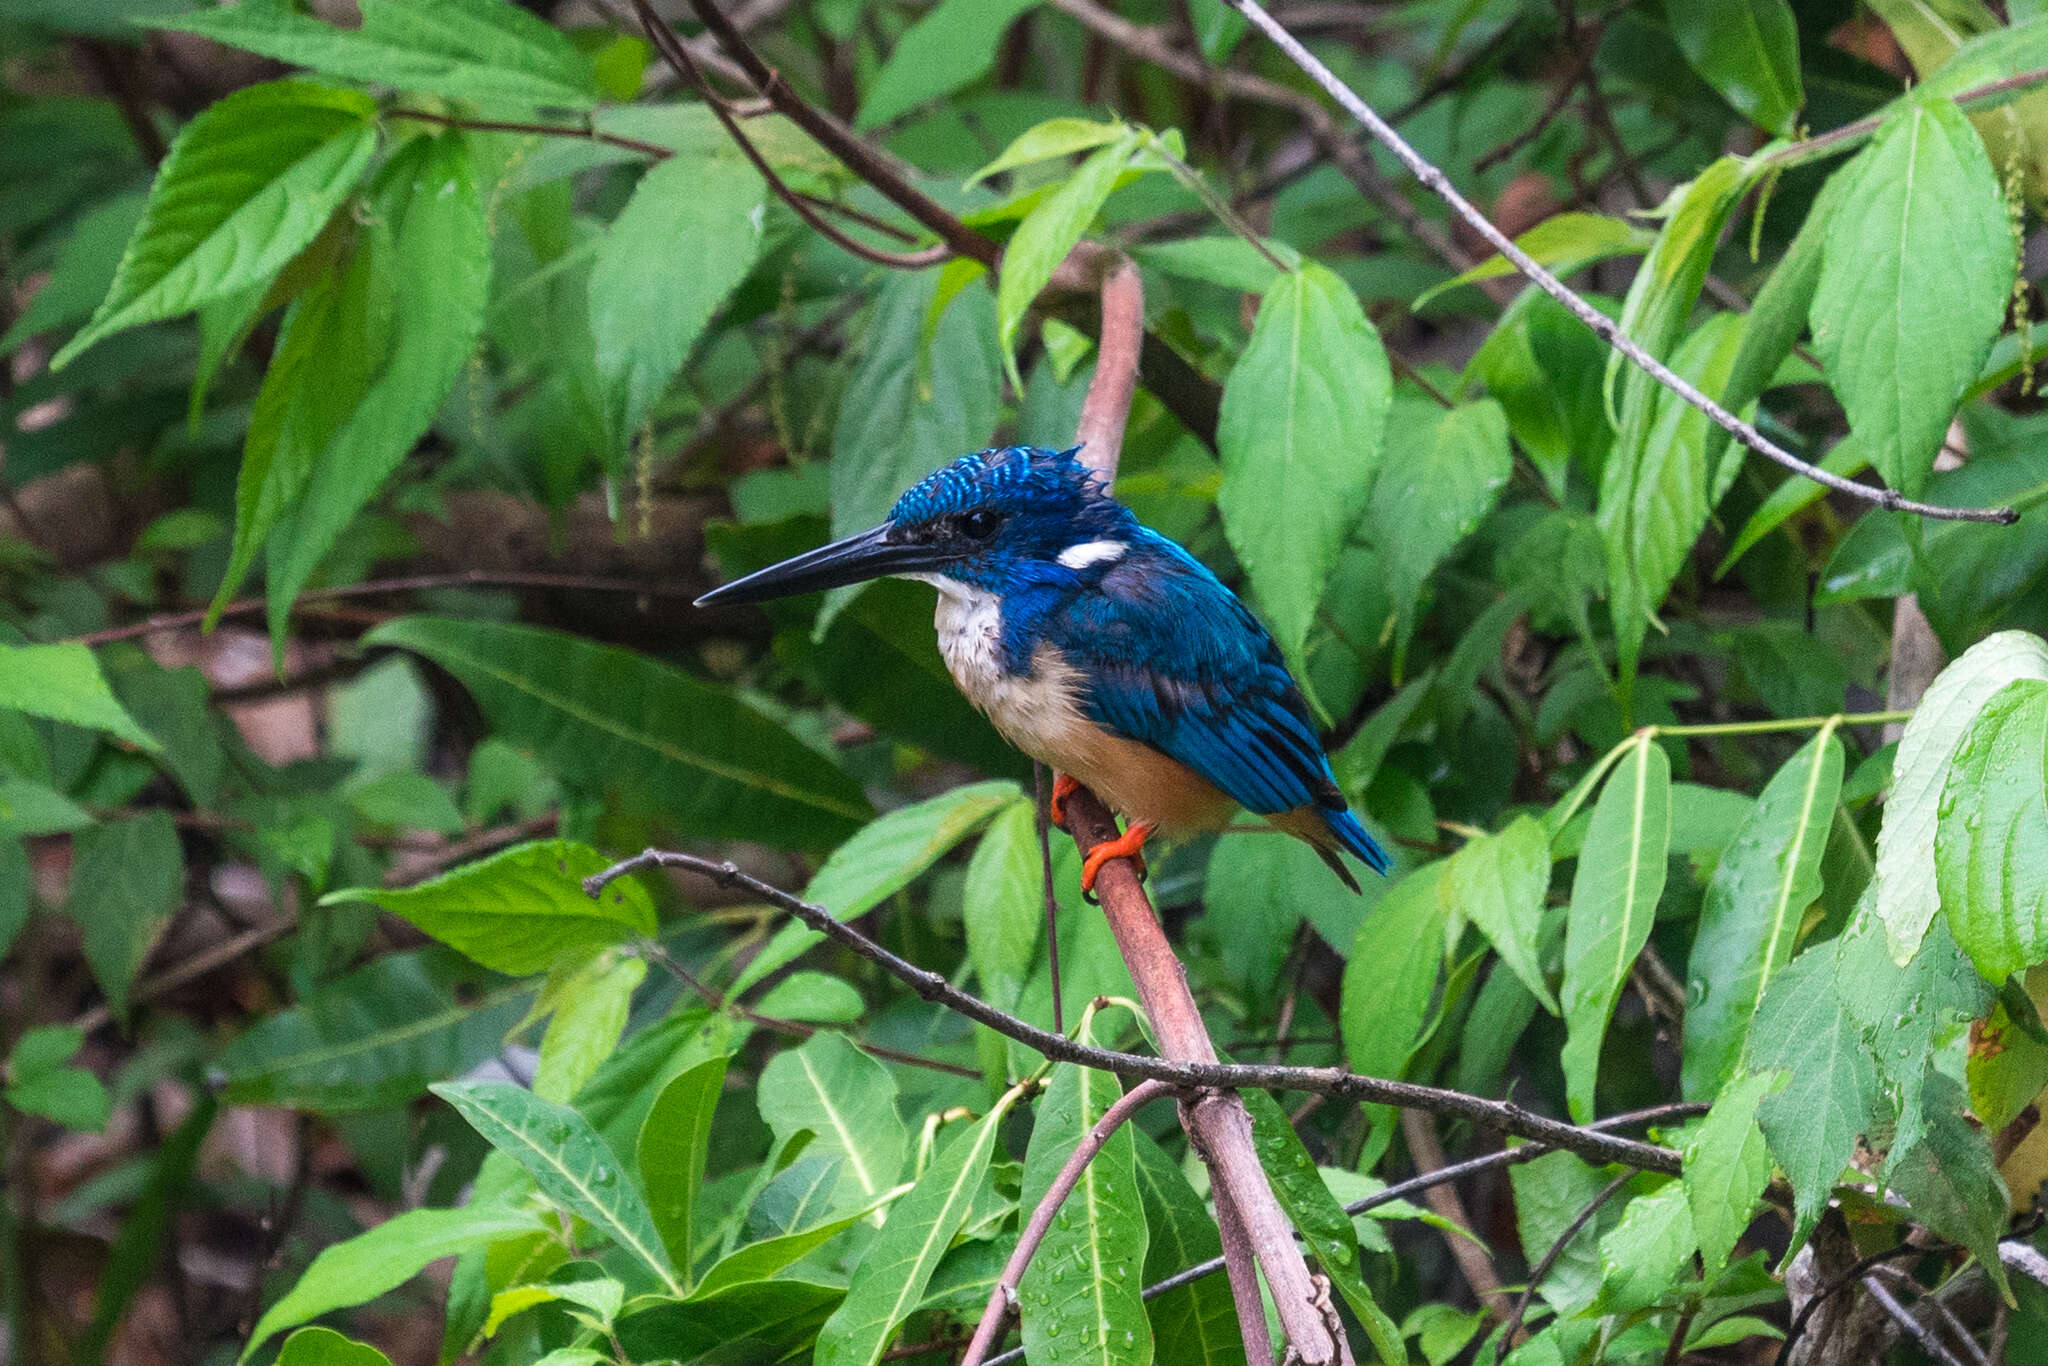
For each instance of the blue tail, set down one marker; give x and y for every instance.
(1351, 836)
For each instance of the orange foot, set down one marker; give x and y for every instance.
(1063, 787)
(1125, 845)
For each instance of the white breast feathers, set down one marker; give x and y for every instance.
(1036, 711)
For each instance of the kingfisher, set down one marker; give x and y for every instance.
(1099, 647)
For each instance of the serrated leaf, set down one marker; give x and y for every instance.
(1550, 1192)
(1767, 877)
(1500, 881)
(521, 910)
(891, 1278)
(675, 1140)
(1642, 1255)
(63, 683)
(1746, 49)
(1918, 269)
(1614, 903)
(1303, 418)
(1801, 1028)
(248, 183)
(682, 244)
(568, 1160)
(618, 721)
(361, 1268)
(846, 1099)
(1941, 1163)
(1727, 1166)
(1907, 892)
(1991, 835)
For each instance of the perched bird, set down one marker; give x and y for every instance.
(1100, 647)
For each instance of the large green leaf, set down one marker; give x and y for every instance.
(1991, 837)
(363, 1267)
(1551, 1192)
(570, 1163)
(440, 256)
(891, 1278)
(675, 1139)
(682, 244)
(1727, 1166)
(617, 721)
(375, 1037)
(848, 1101)
(248, 183)
(1907, 893)
(64, 683)
(483, 50)
(1919, 267)
(1392, 972)
(951, 47)
(127, 881)
(1304, 414)
(1748, 50)
(1075, 1306)
(1500, 881)
(1767, 877)
(1941, 1163)
(1614, 903)
(1642, 1255)
(521, 910)
(1195, 1323)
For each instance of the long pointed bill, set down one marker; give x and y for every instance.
(870, 555)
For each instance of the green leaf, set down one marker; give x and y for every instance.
(375, 1037)
(617, 721)
(1544, 367)
(763, 1260)
(361, 1268)
(175, 706)
(1391, 973)
(570, 1163)
(28, 808)
(950, 48)
(682, 244)
(1790, 498)
(1550, 1192)
(1318, 1218)
(1643, 1255)
(1078, 1301)
(1746, 49)
(891, 1278)
(70, 1096)
(1907, 893)
(1195, 1324)
(1614, 903)
(1564, 242)
(1727, 1167)
(1052, 228)
(1941, 1163)
(1767, 877)
(85, 267)
(325, 1347)
(1050, 140)
(1812, 1125)
(1906, 1015)
(520, 910)
(1500, 881)
(1918, 270)
(883, 858)
(1303, 417)
(248, 183)
(440, 254)
(1002, 906)
(813, 997)
(845, 1098)
(1989, 854)
(1230, 262)
(63, 683)
(482, 50)
(127, 881)
(1259, 891)
(675, 1139)
(589, 1008)
(1430, 499)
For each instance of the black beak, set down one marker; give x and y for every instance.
(870, 555)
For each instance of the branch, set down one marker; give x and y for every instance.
(1472, 1259)
(1603, 326)
(1003, 1298)
(1923, 1337)
(1556, 1250)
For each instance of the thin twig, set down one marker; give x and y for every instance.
(1556, 1250)
(1442, 1197)
(1002, 1299)
(547, 130)
(1603, 326)
(1922, 1336)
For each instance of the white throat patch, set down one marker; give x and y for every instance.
(1092, 552)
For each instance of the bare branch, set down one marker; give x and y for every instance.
(1556, 1250)
(1923, 1337)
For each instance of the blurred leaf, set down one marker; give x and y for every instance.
(682, 244)
(1801, 1028)
(618, 721)
(1991, 835)
(28, 808)
(1304, 414)
(1749, 51)
(1727, 1167)
(407, 801)
(1500, 881)
(361, 1268)
(845, 1098)
(1767, 877)
(1002, 908)
(674, 1141)
(482, 50)
(127, 881)
(1906, 865)
(63, 683)
(1391, 973)
(40, 1084)
(1544, 367)
(1614, 903)
(1230, 262)
(373, 1038)
(1914, 286)
(1195, 1323)
(85, 268)
(521, 910)
(1074, 1306)
(248, 183)
(175, 706)
(1052, 228)
(145, 1234)
(568, 1161)
(813, 997)
(890, 1279)
(1564, 242)
(952, 46)
(590, 1007)
(1261, 886)
(325, 1347)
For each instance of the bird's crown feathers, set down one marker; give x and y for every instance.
(1014, 480)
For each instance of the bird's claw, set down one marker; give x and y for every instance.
(1127, 845)
(1063, 787)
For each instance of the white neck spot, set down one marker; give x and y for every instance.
(1092, 552)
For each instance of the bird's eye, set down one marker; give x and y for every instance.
(981, 523)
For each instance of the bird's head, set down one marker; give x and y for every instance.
(993, 520)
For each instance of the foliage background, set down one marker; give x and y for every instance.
(477, 410)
